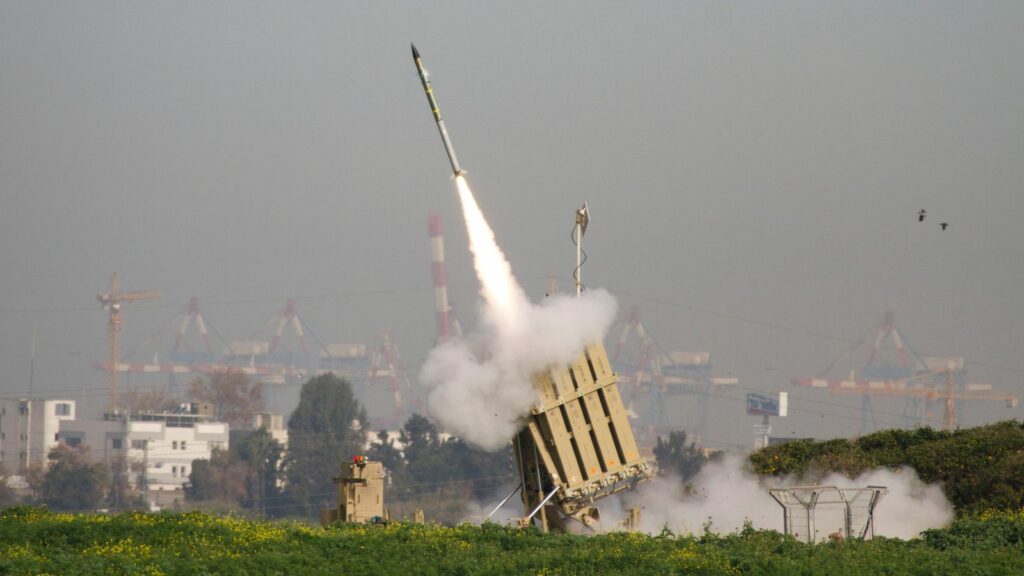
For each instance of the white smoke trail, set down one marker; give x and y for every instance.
(481, 389)
(504, 298)
(725, 494)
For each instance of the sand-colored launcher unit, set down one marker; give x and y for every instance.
(577, 446)
(360, 493)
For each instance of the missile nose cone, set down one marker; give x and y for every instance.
(415, 53)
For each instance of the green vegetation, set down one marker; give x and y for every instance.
(979, 468)
(34, 541)
(324, 430)
(439, 476)
(435, 474)
(675, 456)
(243, 477)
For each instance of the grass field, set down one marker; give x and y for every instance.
(34, 541)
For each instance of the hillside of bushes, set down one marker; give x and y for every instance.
(979, 468)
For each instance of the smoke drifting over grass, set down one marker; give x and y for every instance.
(725, 494)
(480, 384)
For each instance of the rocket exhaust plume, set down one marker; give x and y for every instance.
(498, 287)
(481, 387)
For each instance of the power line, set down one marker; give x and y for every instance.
(782, 327)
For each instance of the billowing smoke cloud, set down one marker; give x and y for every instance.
(910, 507)
(725, 494)
(481, 389)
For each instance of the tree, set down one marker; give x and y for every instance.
(235, 398)
(385, 452)
(72, 482)
(262, 456)
(675, 456)
(35, 474)
(441, 475)
(246, 475)
(221, 479)
(121, 494)
(325, 430)
(7, 496)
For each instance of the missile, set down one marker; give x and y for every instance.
(425, 79)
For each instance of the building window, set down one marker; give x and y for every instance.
(215, 445)
(116, 443)
(73, 442)
(23, 408)
(182, 444)
(138, 444)
(62, 409)
(174, 445)
(174, 471)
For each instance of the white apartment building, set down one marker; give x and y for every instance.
(28, 430)
(159, 447)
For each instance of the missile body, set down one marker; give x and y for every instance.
(425, 79)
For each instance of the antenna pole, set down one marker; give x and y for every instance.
(579, 251)
(582, 219)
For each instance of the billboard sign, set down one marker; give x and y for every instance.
(763, 405)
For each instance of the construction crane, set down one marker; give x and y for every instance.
(192, 315)
(921, 379)
(650, 368)
(288, 316)
(251, 357)
(948, 393)
(386, 366)
(112, 300)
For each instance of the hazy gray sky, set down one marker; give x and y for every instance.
(762, 161)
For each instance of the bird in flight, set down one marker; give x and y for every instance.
(944, 225)
(920, 215)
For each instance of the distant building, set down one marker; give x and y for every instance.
(28, 430)
(159, 446)
(274, 424)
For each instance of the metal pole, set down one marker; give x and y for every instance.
(785, 511)
(579, 250)
(496, 508)
(542, 503)
(540, 487)
(810, 518)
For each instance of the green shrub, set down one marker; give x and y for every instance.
(34, 541)
(979, 468)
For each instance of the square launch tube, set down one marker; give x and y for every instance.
(578, 440)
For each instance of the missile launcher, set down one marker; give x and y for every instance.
(578, 446)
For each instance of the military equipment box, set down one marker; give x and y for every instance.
(360, 493)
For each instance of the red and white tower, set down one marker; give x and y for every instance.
(443, 317)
